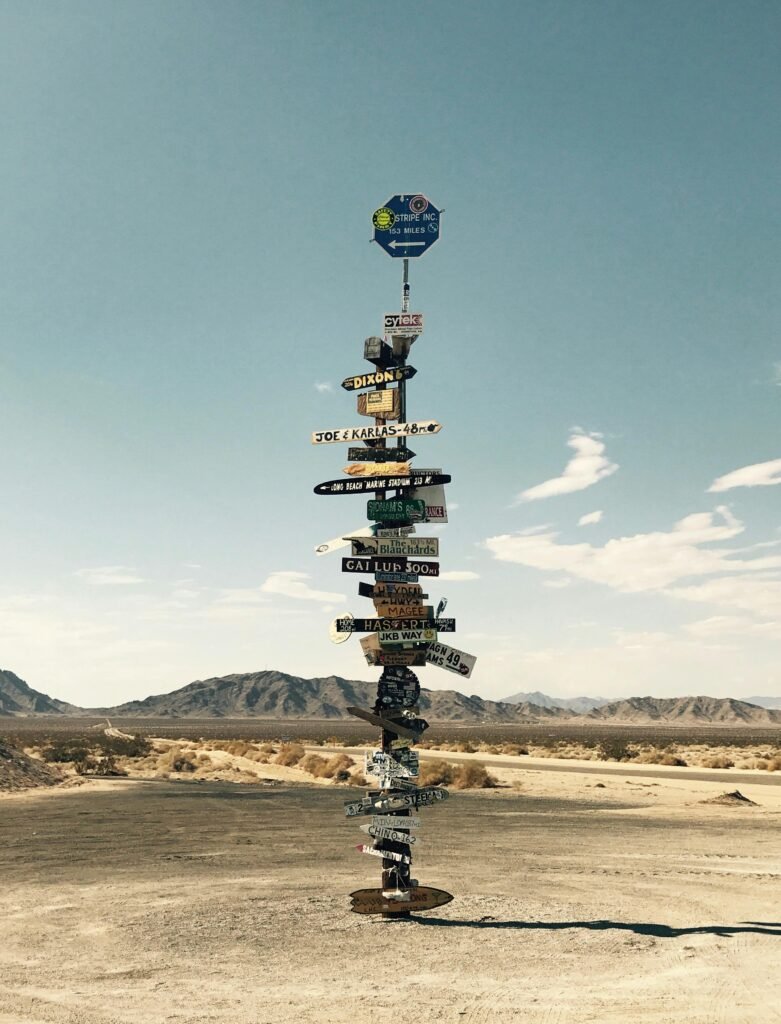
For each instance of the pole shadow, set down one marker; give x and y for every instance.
(659, 931)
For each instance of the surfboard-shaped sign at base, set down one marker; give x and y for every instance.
(378, 432)
(421, 897)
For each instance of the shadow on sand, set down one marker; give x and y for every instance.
(659, 931)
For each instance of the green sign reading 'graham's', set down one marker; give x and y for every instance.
(396, 508)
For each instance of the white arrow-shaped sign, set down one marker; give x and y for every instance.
(402, 245)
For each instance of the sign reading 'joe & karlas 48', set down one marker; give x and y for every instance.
(376, 433)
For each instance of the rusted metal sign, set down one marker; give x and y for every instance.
(384, 405)
(392, 375)
(421, 897)
(378, 432)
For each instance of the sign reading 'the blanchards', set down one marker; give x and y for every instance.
(378, 432)
(402, 324)
(423, 547)
(392, 375)
(449, 658)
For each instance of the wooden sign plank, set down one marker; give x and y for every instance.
(406, 611)
(449, 658)
(391, 657)
(421, 897)
(391, 565)
(381, 625)
(385, 591)
(380, 454)
(400, 858)
(426, 796)
(392, 375)
(407, 729)
(378, 432)
(391, 821)
(370, 469)
(384, 405)
(391, 834)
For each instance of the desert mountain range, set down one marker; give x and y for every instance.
(272, 694)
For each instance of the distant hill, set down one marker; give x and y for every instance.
(273, 694)
(279, 695)
(685, 711)
(765, 702)
(17, 698)
(580, 705)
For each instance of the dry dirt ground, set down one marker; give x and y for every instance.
(148, 902)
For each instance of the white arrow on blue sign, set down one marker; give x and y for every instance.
(406, 226)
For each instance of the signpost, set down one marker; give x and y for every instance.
(405, 631)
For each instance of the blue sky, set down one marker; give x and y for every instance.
(187, 191)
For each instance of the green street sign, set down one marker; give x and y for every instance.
(396, 508)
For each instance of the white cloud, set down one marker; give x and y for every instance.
(733, 625)
(759, 595)
(591, 518)
(323, 387)
(777, 374)
(587, 467)
(644, 562)
(110, 576)
(558, 583)
(459, 575)
(761, 474)
(241, 596)
(292, 584)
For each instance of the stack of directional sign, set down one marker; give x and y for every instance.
(403, 632)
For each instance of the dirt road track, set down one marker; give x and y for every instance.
(196, 903)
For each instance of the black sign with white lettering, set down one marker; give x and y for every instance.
(379, 454)
(381, 483)
(372, 380)
(407, 566)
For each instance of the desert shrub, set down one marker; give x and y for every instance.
(313, 764)
(436, 773)
(100, 766)
(358, 779)
(513, 749)
(289, 754)
(62, 751)
(717, 761)
(122, 746)
(473, 776)
(774, 764)
(177, 760)
(614, 748)
(333, 741)
(338, 767)
(465, 747)
(673, 760)
(267, 748)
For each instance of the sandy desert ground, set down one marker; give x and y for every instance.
(127, 902)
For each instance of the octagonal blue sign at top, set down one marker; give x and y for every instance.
(406, 226)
